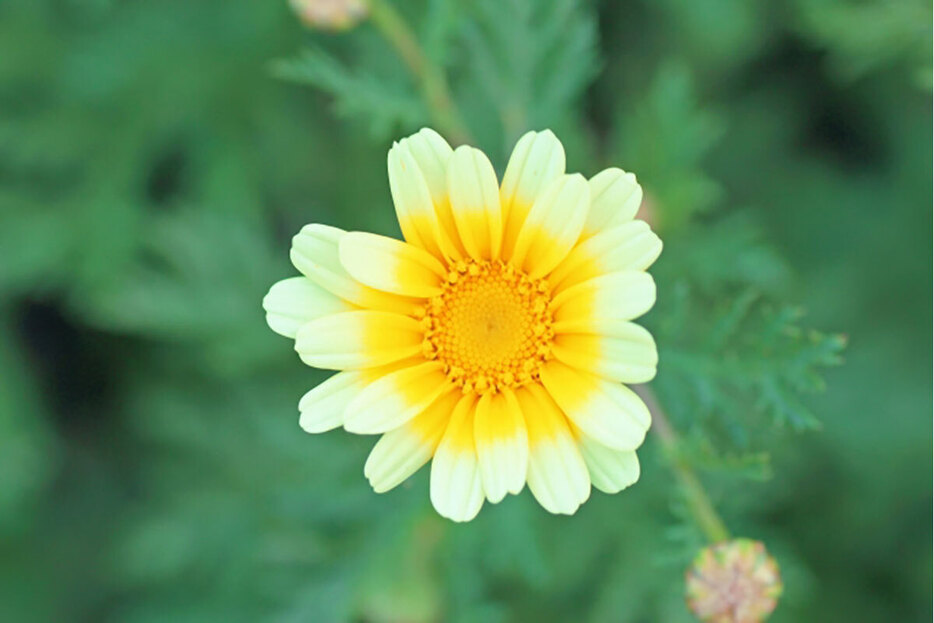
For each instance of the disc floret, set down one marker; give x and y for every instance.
(491, 326)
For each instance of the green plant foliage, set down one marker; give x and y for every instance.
(664, 136)
(866, 36)
(384, 105)
(525, 63)
(731, 355)
(156, 158)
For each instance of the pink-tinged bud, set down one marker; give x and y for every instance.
(330, 14)
(733, 582)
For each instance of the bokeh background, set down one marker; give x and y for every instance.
(156, 157)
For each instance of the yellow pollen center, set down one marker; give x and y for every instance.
(490, 327)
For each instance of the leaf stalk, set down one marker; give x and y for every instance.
(699, 504)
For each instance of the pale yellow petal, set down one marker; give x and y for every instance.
(456, 489)
(620, 351)
(615, 199)
(616, 296)
(391, 265)
(502, 444)
(418, 183)
(557, 474)
(475, 203)
(609, 412)
(315, 253)
(553, 225)
(611, 470)
(293, 302)
(536, 160)
(358, 339)
(626, 247)
(323, 407)
(394, 399)
(433, 155)
(402, 451)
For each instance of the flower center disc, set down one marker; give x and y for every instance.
(490, 327)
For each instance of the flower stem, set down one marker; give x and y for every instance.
(431, 78)
(699, 503)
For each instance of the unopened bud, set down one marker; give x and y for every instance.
(330, 14)
(733, 582)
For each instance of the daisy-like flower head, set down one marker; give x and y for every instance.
(733, 582)
(496, 339)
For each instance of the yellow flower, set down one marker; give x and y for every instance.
(496, 339)
(733, 582)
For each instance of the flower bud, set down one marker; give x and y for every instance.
(733, 582)
(330, 14)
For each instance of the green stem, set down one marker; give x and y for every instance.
(699, 503)
(431, 77)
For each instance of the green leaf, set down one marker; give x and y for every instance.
(382, 104)
(664, 136)
(526, 64)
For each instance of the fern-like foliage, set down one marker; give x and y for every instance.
(735, 359)
(383, 104)
(665, 135)
(514, 65)
(525, 63)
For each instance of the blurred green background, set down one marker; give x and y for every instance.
(156, 157)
